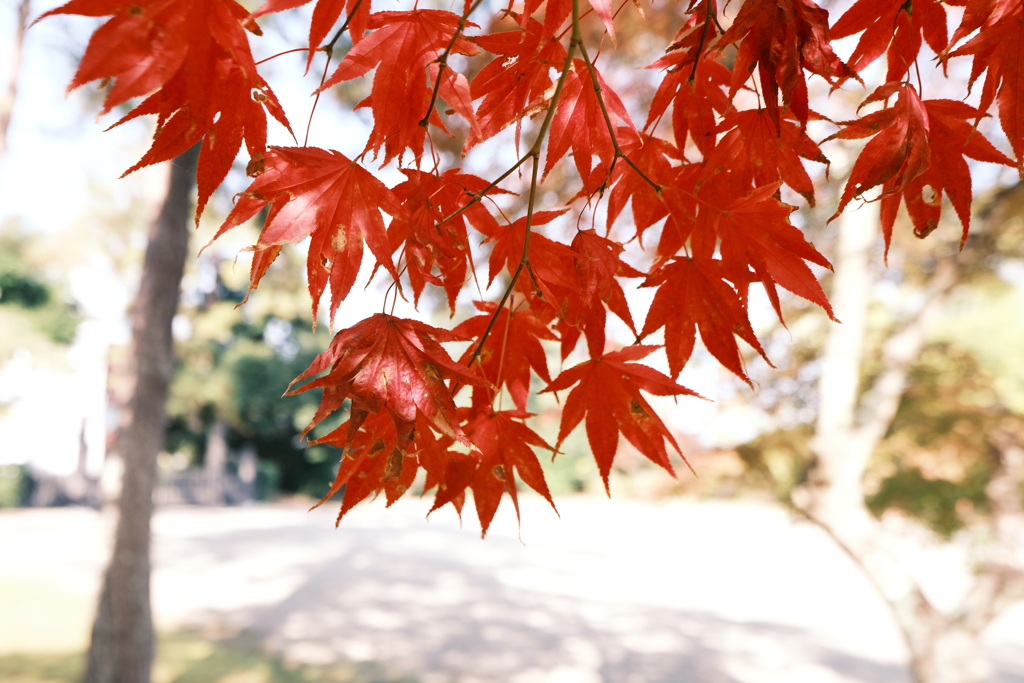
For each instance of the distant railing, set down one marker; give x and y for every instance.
(199, 487)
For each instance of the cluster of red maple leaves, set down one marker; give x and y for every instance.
(711, 175)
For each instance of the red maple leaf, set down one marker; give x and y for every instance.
(579, 124)
(756, 233)
(393, 364)
(552, 270)
(998, 51)
(195, 55)
(324, 195)
(512, 348)
(899, 150)
(513, 84)
(896, 26)
(608, 396)
(506, 448)
(403, 47)
(696, 102)
(762, 151)
(951, 137)
(429, 241)
(693, 295)
(371, 461)
(598, 264)
(783, 39)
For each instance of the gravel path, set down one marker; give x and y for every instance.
(615, 591)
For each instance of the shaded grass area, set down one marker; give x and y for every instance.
(188, 658)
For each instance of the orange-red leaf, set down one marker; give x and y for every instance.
(898, 151)
(506, 448)
(326, 196)
(608, 396)
(195, 55)
(515, 82)
(693, 295)
(512, 349)
(579, 124)
(401, 47)
(393, 364)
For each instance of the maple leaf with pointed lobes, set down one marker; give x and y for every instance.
(506, 448)
(895, 27)
(783, 38)
(899, 150)
(371, 461)
(654, 157)
(511, 350)
(951, 138)
(608, 396)
(429, 242)
(695, 103)
(325, 15)
(755, 232)
(513, 84)
(552, 269)
(693, 295)
(397, 364)
(598, 264)
(326, 196)
(195, 55)
(998, 51)
(688, 218)
(762, 151)
(403, 47)
(579, 124)
(699, 34)
(556, 12)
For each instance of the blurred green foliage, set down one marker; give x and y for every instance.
(12, 486)
(234, 364)
(34, 307)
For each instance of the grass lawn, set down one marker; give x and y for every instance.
(188, 658)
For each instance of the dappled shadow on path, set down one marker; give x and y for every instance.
(443, 605)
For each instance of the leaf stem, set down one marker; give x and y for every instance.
(478, 196)
(708, 15)
(316, 100)
(280, 54)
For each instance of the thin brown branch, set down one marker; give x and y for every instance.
(329, 47)
(478, 196)
(442, 61)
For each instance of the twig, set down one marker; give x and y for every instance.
(330, 46)
(442, 62)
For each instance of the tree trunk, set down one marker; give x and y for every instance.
(11, 95)
(122, 644)
(851, 424)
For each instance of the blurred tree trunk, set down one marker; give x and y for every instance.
(944, 648)
(122, 644)
(10, 95)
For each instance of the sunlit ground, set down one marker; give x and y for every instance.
(616, 591)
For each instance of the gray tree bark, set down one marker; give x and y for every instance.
(122, 646)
